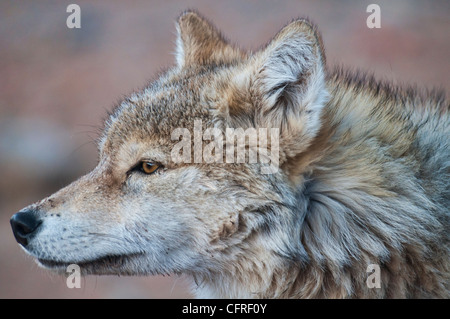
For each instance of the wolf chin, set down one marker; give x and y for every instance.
(363, 180)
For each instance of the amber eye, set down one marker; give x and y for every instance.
(149, 167)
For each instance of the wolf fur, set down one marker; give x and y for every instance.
(363, 179)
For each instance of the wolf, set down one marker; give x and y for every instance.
(363, 179)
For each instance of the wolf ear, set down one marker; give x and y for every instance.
(200, 43)
(286, 85)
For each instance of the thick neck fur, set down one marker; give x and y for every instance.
(362, 185)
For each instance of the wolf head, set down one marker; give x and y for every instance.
(141, 212)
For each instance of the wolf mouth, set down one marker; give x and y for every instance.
(110, 262)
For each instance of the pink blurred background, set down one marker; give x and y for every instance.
(56, 85)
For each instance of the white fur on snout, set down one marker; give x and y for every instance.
(159, 231)
(77, 240)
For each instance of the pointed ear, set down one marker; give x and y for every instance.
(286, 82)
(200, 43)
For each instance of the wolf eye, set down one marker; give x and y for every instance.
(148, 167)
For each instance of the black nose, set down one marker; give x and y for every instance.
(23, 225)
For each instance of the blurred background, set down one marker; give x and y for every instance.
(56, 85)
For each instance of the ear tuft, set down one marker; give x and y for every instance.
(200, 43)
